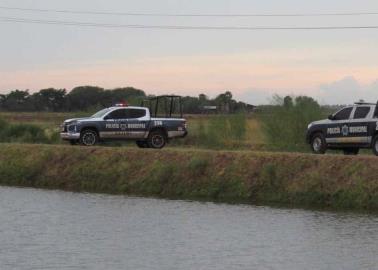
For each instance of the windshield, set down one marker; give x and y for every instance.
(101, 113)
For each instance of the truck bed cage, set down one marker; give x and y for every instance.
(170, 104)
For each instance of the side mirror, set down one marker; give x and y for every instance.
(331, 117)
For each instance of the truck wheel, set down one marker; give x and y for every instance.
(318, 144)
(156, 139)
(88, 137)
(142, 144)
(375, 145)
(351, 151)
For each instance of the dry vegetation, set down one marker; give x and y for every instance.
(236, 176)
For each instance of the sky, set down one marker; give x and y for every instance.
(333, 66)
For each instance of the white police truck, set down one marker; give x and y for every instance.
(349, 129)
(147, 126)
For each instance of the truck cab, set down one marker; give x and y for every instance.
(122, 122)
(349, 129)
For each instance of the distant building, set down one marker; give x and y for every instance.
(209, 109)
(251, 108)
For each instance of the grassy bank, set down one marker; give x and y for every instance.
(239, 176)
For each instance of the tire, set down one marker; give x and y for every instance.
(351, 151)
(88, 137)
(142, 144)
(318, 144)
(375, 145)
(156, 139)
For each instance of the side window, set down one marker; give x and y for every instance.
(343, 114)
(135, 113)
(117, 114)
(361, 112)
(376, 112)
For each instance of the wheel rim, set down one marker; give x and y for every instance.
(89, 138)
(317, 144)
(157, 141)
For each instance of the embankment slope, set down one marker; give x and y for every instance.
(241, 176)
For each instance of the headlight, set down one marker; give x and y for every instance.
(71, 128)
(310, 125)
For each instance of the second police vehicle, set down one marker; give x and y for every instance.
(148, 127)
(349, 129)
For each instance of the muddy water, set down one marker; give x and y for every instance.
(59, 230)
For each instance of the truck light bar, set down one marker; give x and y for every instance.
(123, 104)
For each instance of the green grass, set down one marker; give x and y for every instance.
(303, 180)
(26, 133)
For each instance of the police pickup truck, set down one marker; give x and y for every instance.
(349, 129)
(122, 122)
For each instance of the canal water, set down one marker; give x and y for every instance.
(61, 230)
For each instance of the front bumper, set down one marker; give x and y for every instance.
(69, 136)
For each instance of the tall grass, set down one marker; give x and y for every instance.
(26, 133)
(217, 132)
(285, 124)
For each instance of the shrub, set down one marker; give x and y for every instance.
(286, 123)
(3, 129)
(197, 166)
(24, 133)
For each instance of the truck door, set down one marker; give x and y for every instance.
(338, 128)
(137, 122)
(361, 125)
(112, 126)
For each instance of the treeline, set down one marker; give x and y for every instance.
(82, 98)
(223, 103)
(92, 98)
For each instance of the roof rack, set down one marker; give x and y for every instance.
(365, 103)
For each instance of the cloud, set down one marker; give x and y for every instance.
(344, 91)
(347, 91)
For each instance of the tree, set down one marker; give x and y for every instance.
(304, 101)
(86, 98)
(17, 100)
(224, 102)
(203, 98)
(127, 94)
(2, 100)
(50, 99)
(191, 105)
(288, 102)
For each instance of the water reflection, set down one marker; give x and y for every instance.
(59, 230)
